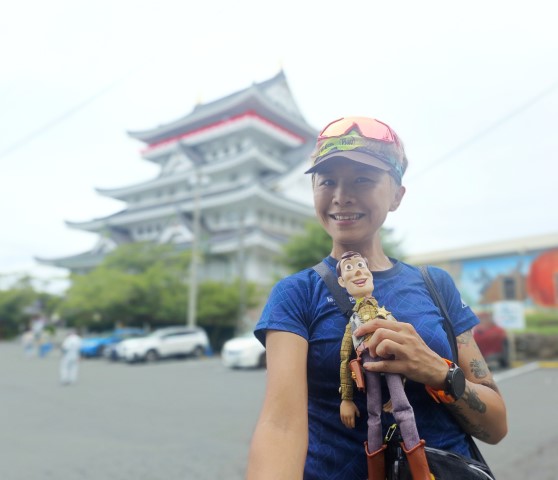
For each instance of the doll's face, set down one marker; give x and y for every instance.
(356, 277)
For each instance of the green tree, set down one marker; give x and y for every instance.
(146, 284)
(311, 246)
(219, 308)
(136, 284)
(101, 298)
(15, 304)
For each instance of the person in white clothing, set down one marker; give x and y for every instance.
(69, 364)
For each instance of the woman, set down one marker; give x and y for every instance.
(358, 165)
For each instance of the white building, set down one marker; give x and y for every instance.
(225, 169)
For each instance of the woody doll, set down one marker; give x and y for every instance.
(354, 275)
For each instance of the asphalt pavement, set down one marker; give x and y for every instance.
(174, 420)
(193, 419)
(530, 448)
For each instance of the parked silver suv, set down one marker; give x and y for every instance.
(164, 343)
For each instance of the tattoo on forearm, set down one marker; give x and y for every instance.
(478, 368)
(479, 432)
(473, 401)
(464, 338)
(476, 430)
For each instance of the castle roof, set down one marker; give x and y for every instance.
(271, 100)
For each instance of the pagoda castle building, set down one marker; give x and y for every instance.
(228, 171)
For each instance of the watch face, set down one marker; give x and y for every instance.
(456, 379)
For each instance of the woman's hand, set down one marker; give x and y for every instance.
(402, 350)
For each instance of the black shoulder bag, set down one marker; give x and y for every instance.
(444, 465)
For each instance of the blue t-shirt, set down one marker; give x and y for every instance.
(302, 304)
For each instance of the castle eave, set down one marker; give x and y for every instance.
(231, 125)
(82, 261)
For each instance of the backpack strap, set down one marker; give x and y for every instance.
(448, 327)
(441, 304)
(340, 297)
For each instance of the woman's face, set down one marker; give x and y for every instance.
(352, 200)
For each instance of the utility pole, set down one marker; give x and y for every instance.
(193, 298)
(240, 325)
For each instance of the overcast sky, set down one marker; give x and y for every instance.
(75, 76)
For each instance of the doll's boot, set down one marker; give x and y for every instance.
(376, 463)
(417, 462)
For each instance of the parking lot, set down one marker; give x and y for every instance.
(176, 419)
(192, 419)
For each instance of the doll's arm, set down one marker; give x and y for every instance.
(346, 388)
(348, 410)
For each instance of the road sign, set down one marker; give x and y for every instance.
(509, 314)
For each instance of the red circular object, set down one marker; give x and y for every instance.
(542, 280)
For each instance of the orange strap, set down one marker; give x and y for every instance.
(440, 396)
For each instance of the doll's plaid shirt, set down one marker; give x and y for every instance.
(366, 308)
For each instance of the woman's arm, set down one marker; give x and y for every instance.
(280, 440)
(480, 411)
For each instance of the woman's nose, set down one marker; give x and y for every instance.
(343, 195)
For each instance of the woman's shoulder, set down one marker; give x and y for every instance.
(308, 275)
(291, 304)
(299, 285)
(304, 276)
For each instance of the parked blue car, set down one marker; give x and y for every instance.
(95, 346)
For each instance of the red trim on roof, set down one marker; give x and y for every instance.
(236, 118)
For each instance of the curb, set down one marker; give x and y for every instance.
(540, 363)
(520, 368)
(548, 364)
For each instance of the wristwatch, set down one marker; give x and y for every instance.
(454, 386)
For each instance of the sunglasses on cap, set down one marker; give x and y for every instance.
(364, 140)
(367, 127)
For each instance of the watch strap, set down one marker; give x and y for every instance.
(441, 396)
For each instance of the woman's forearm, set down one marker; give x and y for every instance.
(278, 452)
(481, 412)
(280, 441)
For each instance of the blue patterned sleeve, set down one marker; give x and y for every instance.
(286, 309)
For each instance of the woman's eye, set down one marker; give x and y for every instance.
(327, 182)
(363, 180)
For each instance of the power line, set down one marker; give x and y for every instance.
(448, 155)
(69, 113)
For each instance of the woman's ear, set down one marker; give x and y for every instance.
(397, 198)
